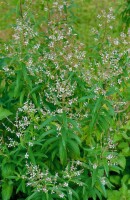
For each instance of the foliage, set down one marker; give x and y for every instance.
(64, 107)
(126, 14)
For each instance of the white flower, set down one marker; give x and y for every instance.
(103, 180)
(30, 144)
(94, 166)
(26, 155)
(45, 190)
(65, 184)
(119, 81)
(116, 42)
(61, 195)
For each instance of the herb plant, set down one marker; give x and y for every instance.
(64, 107)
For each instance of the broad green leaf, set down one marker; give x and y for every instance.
(8, 169)
(4, 113)
(7, 189)
(122, 161)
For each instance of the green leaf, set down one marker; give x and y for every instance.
(35, 195)
(122, 161)
(94, 177)
(18, 84)
(62, 154)
(35, 89)
(21, 187)
(47, 121)
(65, 121)
(49, 142)
(74, 194)
(98, 104)
(75, 137)
(46, 134)
(7, 189)
(31, 155)
(98, 194)
(7, 169)
(4, 113)
(73, 148)
(22, 94)
(54, 153)
(82, 99)
(95, 112)
(103, 189)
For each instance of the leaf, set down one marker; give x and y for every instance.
(34, 97)
(82, 99)
(106, 168)
(122, 161)
(73, 148)
(47, 121)
(111, 91)
(21, 187)
(46, 134)
(7, 169)
(4, 113)
(98, 104)
(62, 154)
(18, 84)
(7, 189)
(102, 187)
(75, 137)
(35, 89)
(31, 156)
(95, 112)
(34, 196)
(94, 177)
(49, 142)
(74, 194)
(22, 94)
(65, 121)
(54, 152)
(98, 194)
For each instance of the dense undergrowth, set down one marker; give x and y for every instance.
(64, 107)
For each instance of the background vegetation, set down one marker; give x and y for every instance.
(64, 100)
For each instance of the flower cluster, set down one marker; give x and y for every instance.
(110, 69)
(43, 180)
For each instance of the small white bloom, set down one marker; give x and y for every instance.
(61, 195)
(30, 144)
(26, 155)
(65, 184)
(116, 42)
(94, 166)
(103, 180)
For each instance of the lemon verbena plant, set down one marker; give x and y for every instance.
(60, 106)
